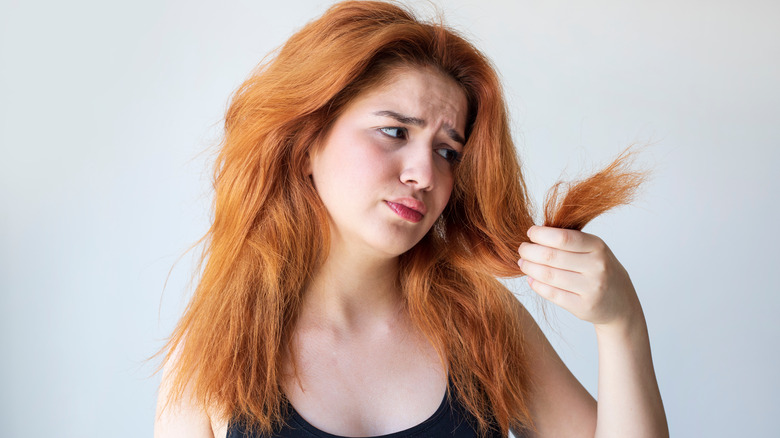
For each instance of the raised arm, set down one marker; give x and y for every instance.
(579, 273)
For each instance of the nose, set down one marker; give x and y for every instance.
(418, 166)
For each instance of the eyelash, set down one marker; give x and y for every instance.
(454, 156)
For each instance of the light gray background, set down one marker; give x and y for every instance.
(106, 109)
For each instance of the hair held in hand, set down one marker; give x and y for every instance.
(572, 205)
(232, 349)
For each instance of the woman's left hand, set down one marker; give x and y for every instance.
(578, 272)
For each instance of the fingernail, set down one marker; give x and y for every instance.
(520, 263)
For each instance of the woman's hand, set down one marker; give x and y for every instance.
(578, 272)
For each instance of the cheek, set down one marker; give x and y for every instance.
(443, 203)
(368, 163)
(447, 184)
(350, 166)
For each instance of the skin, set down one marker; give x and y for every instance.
(578, 272)
(353, 342)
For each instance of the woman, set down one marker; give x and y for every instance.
(367, 195)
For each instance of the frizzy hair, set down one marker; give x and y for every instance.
(270, 229)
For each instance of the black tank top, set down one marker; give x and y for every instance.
(451, 419)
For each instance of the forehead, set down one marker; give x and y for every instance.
(421, 92)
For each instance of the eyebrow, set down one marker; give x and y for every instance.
(415, 121)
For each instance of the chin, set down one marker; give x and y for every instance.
(396, 247)
(393, 249)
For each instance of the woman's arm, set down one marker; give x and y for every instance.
(579, 273)
(560, 406)
(629, 399)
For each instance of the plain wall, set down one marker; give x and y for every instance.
(108, 110)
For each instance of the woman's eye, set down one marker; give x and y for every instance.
(399, 133)
(450, 155)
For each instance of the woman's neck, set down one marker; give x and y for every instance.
(352, 291)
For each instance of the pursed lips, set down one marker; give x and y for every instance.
(408, 208)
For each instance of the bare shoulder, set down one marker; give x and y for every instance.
(182, 418)
(560, 405)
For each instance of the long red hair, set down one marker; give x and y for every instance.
(270, 229)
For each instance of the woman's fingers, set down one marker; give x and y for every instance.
(562, 279)
(567, 240)
(556, 258)
(559, 297)
(578, 272)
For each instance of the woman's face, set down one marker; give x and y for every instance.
(385, 170)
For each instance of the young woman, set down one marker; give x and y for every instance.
(367, 195)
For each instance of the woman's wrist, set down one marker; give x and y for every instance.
(626, 327)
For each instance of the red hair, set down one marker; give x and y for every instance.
(270, 229)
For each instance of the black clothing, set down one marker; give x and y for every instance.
(451, 419)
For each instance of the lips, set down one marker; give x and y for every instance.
(408, 208)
